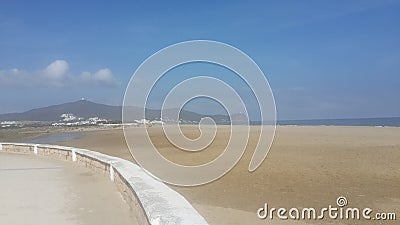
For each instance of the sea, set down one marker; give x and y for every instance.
(55, 137)
(384, 122)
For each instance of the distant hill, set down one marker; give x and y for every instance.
(81, 108)
(87, 109)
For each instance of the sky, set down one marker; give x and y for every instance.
(323, 59)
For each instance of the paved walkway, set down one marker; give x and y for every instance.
(36, 190)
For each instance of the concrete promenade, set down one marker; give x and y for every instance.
(39, 190)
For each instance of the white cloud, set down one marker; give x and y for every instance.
(56, 74)
(14, 77)
(57, 69)
(103, 77)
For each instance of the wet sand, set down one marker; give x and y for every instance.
(30, 133)
(306, 167)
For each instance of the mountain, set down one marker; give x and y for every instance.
(87, 109)
(81, 108)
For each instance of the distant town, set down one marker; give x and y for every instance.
(71, 120)
(85, 113)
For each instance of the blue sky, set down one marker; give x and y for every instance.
(323, 59)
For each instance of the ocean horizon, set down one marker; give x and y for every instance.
(383, 121)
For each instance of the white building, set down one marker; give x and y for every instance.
(68, 117)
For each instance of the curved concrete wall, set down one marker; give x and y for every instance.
(151, 200)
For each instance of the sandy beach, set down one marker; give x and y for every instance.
(308, 166)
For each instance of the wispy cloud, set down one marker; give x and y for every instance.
(56, 74)
(101, 77)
